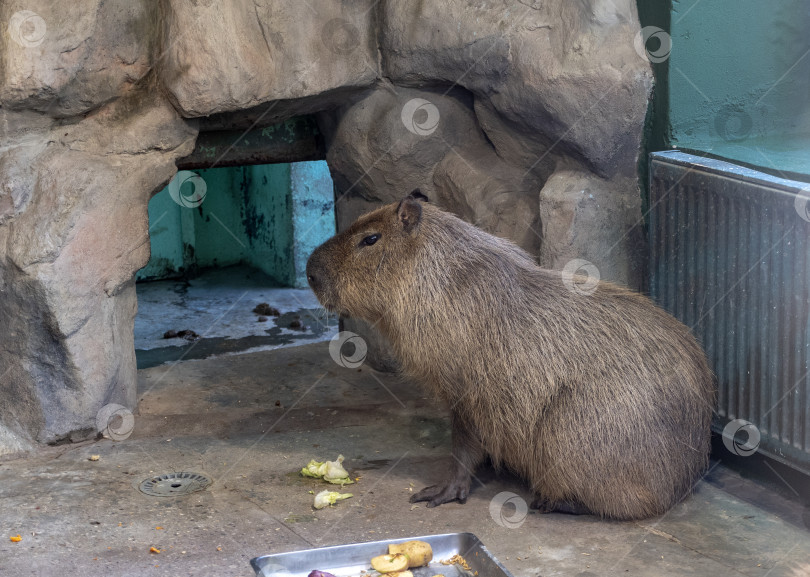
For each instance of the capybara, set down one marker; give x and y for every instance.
(600, 400)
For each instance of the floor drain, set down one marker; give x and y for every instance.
(172, 484)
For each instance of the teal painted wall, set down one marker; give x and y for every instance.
(268, 216)
(736, 83)
(268, 220)
(219, 238)
(313, 209)
(657, 136)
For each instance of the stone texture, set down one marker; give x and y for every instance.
(70, 255)
(65, 58)
(596, 219)
(523, 59)
(558, 89)
(481, 188)
(376, 157)
(235, 55)
(397, 139)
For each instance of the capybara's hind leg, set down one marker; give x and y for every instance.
(543, 505)
(467, 455)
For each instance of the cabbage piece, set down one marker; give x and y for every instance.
(330, 471)
(336, 474)
(326, 498)
(314, 469)
(317, 573)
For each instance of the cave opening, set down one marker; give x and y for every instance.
(230, 236)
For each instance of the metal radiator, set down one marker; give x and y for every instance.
(730, 258)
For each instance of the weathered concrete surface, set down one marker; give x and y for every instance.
(523, 59)
(589, 217)
(230, 56)
(558, 89)
(65, 70)
(378, 151)
(483, 189)
(398, 139)
(71, 247)
(219, 306)
(252, 421)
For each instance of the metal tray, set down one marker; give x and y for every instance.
(350, 560)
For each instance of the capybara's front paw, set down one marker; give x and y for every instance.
(435, 495)
(542, 505)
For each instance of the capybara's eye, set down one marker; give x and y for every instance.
(370, 239)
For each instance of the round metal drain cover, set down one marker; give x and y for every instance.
(171, 484)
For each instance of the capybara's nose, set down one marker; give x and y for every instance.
(313, 278)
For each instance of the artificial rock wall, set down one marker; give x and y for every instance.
(524, 117)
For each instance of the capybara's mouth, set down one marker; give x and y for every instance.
(329, 306)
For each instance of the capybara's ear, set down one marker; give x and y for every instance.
(417, 194)
(409, 213)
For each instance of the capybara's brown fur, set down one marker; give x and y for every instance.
(601, 400)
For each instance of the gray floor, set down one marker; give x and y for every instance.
(252, 421)
(218, 305)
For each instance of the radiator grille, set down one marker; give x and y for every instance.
(730, 258)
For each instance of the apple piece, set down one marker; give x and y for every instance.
(419, 553)
(390, 563)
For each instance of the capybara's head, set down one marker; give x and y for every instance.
(353, 272)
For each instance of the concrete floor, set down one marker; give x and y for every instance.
(252, 421)
(218, 305)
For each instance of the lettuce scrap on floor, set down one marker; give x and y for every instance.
(326, 498)
(330, 471)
